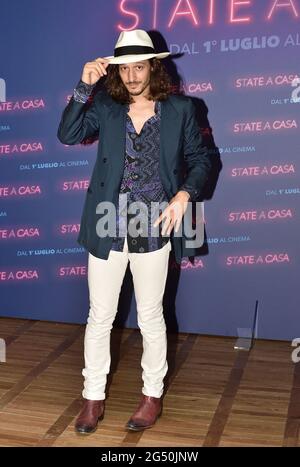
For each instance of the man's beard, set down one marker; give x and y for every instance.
(137, 92)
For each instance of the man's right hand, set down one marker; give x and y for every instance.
(93, 71)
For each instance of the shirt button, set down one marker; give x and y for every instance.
(104, 160)
(175, 171)
(102, 183)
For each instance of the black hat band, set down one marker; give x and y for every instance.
(133, 49)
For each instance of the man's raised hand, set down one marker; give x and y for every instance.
(93, 71)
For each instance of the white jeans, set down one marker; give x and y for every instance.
(105, 277)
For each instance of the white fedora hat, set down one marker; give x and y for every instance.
(134, 46)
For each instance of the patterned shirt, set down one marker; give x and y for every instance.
(140, 183)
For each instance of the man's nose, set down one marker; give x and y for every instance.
(131, 76)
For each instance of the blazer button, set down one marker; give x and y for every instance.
(102, 183)
(104, 160)
(175, 171)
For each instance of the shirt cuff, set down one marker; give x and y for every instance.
(83, 91)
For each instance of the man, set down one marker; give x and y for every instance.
(145, 135)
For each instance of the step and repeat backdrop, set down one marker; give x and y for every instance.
(240, 61)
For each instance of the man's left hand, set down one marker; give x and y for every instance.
(174, 212)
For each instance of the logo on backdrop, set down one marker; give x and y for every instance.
(196, 17)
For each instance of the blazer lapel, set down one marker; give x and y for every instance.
(115, 124)
(170, 133)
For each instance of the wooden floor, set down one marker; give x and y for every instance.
(216, 396)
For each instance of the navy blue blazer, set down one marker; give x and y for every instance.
(181, 153)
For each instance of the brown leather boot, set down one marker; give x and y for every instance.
(91, 412)
(146, 414)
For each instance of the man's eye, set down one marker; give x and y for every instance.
(138, 66)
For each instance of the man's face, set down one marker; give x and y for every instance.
(135, 76)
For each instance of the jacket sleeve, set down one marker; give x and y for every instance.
(196, 155)
(79, 120)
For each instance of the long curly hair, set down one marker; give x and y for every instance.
(160, 83)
